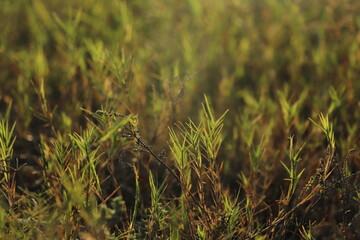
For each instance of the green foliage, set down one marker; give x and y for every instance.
(114, 139)
(327, 128)
(290, 111)
(7, 141)
(294, 158)
(211, 137)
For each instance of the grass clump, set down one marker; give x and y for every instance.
(105, 133)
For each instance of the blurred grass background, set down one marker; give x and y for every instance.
(157, 59)
(272, 63)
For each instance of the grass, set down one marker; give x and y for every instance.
(183, 120)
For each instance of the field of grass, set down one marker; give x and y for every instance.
(193, 119)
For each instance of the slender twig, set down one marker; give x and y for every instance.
(141, 143)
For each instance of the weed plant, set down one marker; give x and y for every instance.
(186, 119)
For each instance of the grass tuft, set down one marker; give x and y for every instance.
(190, 120)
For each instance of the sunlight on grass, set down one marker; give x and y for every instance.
(179, 120)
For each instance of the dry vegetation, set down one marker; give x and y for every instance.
(185, 119)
